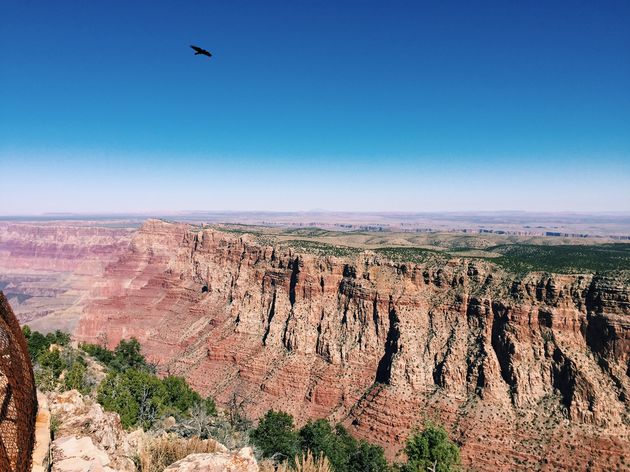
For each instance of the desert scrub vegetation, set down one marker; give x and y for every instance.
(320, 446)
(277, 438)
(140, 397)
(414, 255)
(156, 454)
(55, 364)
(307, 462)
(322, 249)
(127, 355)
(563, 259)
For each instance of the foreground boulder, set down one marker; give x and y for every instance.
(241, 461)
(72, 454)
(88, 438)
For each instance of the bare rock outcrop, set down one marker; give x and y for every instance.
(241, 461)
(88, 437)
(72, 454)
(526, 372)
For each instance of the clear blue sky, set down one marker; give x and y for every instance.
(407, 106)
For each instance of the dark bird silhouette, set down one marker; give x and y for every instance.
(199, 50)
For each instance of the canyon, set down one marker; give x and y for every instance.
(526, 371)
(49, 271)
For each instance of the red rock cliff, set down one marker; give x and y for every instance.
(524, 373)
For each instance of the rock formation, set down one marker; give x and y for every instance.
(88, 438)
(49, 271)
(241, 461)
(524, 372)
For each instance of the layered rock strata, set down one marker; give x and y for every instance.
(49, 271)
(525, 372)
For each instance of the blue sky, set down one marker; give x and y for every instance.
(402, 106)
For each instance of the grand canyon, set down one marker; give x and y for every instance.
(377, 329)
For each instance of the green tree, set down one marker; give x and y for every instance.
(431, 449)
(26, 331)
(367, 457)
(128, 355)
(137, 396)
(58, 337)
(275, 436)
(75, 378)
(210, 406)
(178, 395)
(99, 353)
(53, 361)
(345, 453)
(321, 438)
(37, 343)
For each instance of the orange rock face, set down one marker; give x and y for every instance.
(529, 373)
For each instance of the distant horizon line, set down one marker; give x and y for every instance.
(160, 213)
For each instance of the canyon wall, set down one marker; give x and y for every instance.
(49, 271)
(525, 373)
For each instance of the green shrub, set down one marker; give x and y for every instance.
(367, 457)
(45, 379)
(275, 436)
(135, 395)
(37, 343)
(58, 337)
(430, 448)
(99, 353)
(76, 378)
(320, 438)
(54, 425)
(140, 398)
(178, 396)
(127, 355)
(53, 361)
(26, 331)
(345, 453)
(210, 406)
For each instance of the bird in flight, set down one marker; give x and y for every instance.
(199, 50)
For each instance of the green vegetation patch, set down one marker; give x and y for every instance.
(132, 389)
(309, 232)
(563, 259)
(431, 449)
(322, 249)
(276, 437)
(51, 357)
(414, 255)
(237, 229)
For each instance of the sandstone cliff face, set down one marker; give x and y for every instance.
(49, 271)
(532, 372)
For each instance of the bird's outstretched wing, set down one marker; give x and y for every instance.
(199, 50)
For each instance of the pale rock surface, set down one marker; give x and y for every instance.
(241, 461)
(41, 453)
(72, 454)
(100, 432)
